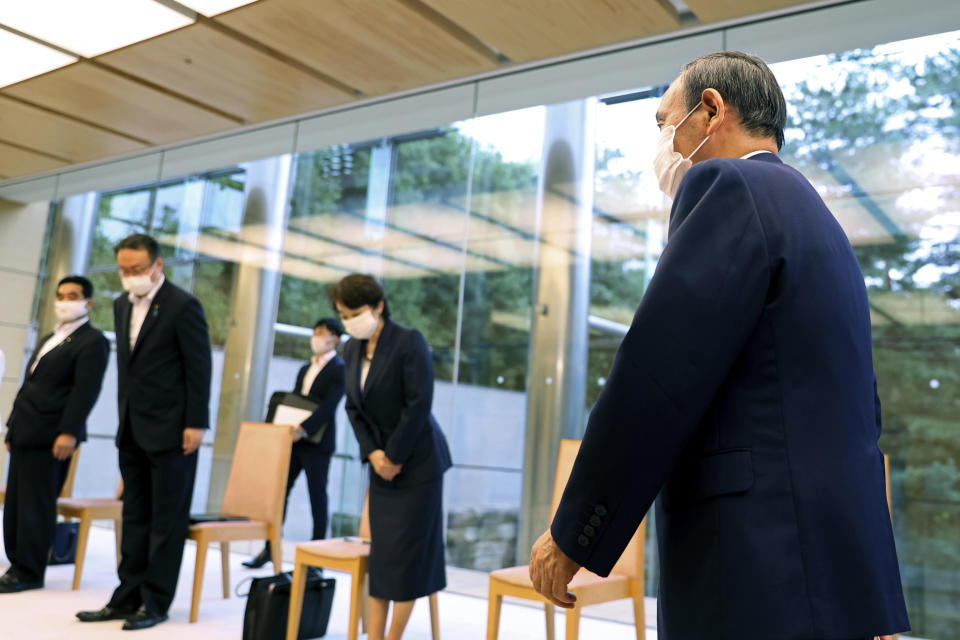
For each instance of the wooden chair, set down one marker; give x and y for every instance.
(87, 510)
(625, 581)
(255, 490)
(349, 556)
(67, 490)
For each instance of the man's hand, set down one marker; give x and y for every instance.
(551, 570)
(383, 467)
(192, 437)
(63, 446)
(8, 446)
(299, 434)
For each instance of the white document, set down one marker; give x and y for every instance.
(290, 415)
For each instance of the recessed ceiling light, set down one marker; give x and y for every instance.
(24, 58)
(91, 27)
(213, 7)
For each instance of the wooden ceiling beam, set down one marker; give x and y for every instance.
(74, 118)
(455, 30)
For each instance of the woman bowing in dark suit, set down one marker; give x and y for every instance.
(389, 378)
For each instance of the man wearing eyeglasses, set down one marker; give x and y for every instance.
(163, 374)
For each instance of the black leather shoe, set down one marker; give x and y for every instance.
(260, 559)
(143, 619)
(10, 583)
(102, 615)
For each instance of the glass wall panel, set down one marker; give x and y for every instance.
(877, 131)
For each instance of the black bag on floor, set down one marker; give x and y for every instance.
(64, 549)
(268, 604)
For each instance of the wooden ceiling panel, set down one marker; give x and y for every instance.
(376, 47)
(535, 29)
(15, 161)
(57, 135)
(220, 71)
(713, 10)
(96, 95)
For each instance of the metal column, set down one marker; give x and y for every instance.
(256, 295)
(559, 334)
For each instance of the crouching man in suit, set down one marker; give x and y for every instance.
(322, 381)
(49, 419)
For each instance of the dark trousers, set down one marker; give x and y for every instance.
(30, 513)
(157, 490)
(315, 464)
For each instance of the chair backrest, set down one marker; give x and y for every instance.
(258, 474)
(67, 490)
(631, 561)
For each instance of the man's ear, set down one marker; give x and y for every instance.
(715, 107)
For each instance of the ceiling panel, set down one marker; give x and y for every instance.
(376, 47)
(115, 102)
(225, 73)
(535, 29)
(20, 162)
(57, 135)
(713, 10)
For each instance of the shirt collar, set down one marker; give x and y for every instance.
(151, 295)
(754, 153)
(69, 327)
(323, 359)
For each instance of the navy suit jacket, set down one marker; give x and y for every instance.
(326, 391)
(58, 396)
(392, 412)
(164, 382)
(744, 394)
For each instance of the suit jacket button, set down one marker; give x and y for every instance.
(583, 541)
(600, 510)
(587, 529)
(595, 520)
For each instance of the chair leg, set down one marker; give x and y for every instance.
(573, 623)
(296, 599)
(276, 555)
(494, 600)
(83, 533)
(117, 537)
(198, 577)
(639, 618)
(225, 568)
(550, 612)
(356, 593)
(434, 615)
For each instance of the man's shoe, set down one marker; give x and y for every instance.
(143, 619)
(10, 583)
(107, 613)
(260, 559)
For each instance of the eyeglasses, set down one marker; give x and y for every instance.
(139, 270)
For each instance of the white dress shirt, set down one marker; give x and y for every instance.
(364, 371)
(754, 153)
(60, 333)
(141, 306)
(317, 363)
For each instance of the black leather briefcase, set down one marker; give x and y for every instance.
(268, 604)
(64, 548)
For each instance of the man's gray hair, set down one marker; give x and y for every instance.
(745, 83)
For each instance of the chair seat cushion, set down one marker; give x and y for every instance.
(335, 548)
(97, 507)
(229, 530)
(520, 577)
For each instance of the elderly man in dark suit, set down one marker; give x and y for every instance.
(321, 380)
(163, 373)
(743, 394)
(49, 419)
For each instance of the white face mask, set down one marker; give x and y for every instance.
(137, 285)
(669, 165)
(69, 310)
(363, 326)
(320, 345)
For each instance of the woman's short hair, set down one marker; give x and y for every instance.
(357, 290)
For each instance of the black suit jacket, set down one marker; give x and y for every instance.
(58, 396)
(327, 391)
(164, 383)
(393, 411)
(744, 393)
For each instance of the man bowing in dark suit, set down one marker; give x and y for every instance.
(743, 394)
(163, 374)
(49, 419)
(322, 381)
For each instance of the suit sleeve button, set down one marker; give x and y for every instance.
(587, 529)
(600, 510)
(583, 541)
(595, 520)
